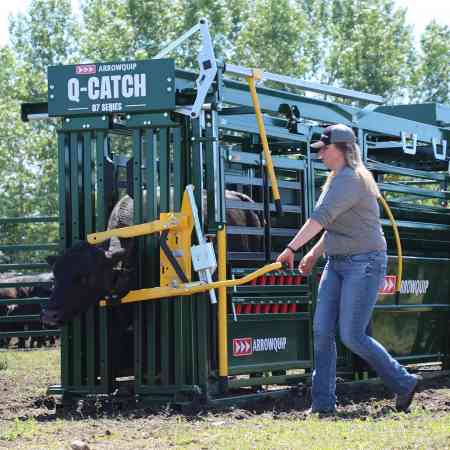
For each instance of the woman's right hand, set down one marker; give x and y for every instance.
(307, 263)
(286, 257)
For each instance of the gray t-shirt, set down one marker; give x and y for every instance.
(350, 215)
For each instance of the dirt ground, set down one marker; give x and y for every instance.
(23, 397)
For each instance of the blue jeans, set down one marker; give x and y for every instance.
(348, 291)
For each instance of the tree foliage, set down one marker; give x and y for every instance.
(358, 44)
(433, 75)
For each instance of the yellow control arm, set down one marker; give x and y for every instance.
(158, 293)
(257, 75)
(136, 230)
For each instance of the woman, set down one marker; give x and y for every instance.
(355, 248)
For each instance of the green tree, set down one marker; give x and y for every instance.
(370, 47)
(274, 38)
(46, 35)
(432, 80)
(108, 33)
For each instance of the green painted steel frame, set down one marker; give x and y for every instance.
(175, 341)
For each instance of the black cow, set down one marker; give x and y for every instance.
(86, 273)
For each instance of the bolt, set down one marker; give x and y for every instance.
(169, 79)
(128, 117)
(192, 138)
(169, 89)
(67, 119)
(103, 117)
(52, 86)
(52, 96)
(166, 115)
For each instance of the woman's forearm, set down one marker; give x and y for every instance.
(310, 229)
(318, 249)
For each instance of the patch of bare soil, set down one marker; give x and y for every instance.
(355, 401)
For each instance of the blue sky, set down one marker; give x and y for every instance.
(420, 13)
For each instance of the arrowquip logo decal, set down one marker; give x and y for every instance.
(248, 346)
(389, 285)
(242, 346)
(414, 287)
(86, 69)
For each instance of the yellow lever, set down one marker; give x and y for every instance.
(136, 230)
(257, 75)
(158, 293)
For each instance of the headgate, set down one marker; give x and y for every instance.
(149, 130)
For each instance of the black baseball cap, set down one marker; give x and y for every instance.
(333, 134)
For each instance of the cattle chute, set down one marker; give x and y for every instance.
(168, 350)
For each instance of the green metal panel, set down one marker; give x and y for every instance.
(88, 207)
(166, 334)
(201, 302)
(100, 225)
(178, 304)
(430, 113)
(152, 262)
(269, 340)
(117, 87)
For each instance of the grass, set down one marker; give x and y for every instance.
(22, 426)
(414, 431)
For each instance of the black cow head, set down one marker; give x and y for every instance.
(83, 276)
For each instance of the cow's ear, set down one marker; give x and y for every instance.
(116, 256)
(51, 260)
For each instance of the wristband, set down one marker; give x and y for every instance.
(291, 249)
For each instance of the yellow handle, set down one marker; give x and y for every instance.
(158, 293)
(397, 241)
(135, 230)
(257, 74)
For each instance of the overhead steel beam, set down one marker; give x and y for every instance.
(306, 85)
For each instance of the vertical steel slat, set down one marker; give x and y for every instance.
(105, 357)
(75, 207)
(91, 343)
(213, 216)
(138, 218)
(309, 200)
(63, 180)
(201, 303)
(188, 302)
(152, 254)
(164, 193)
(178, 187)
